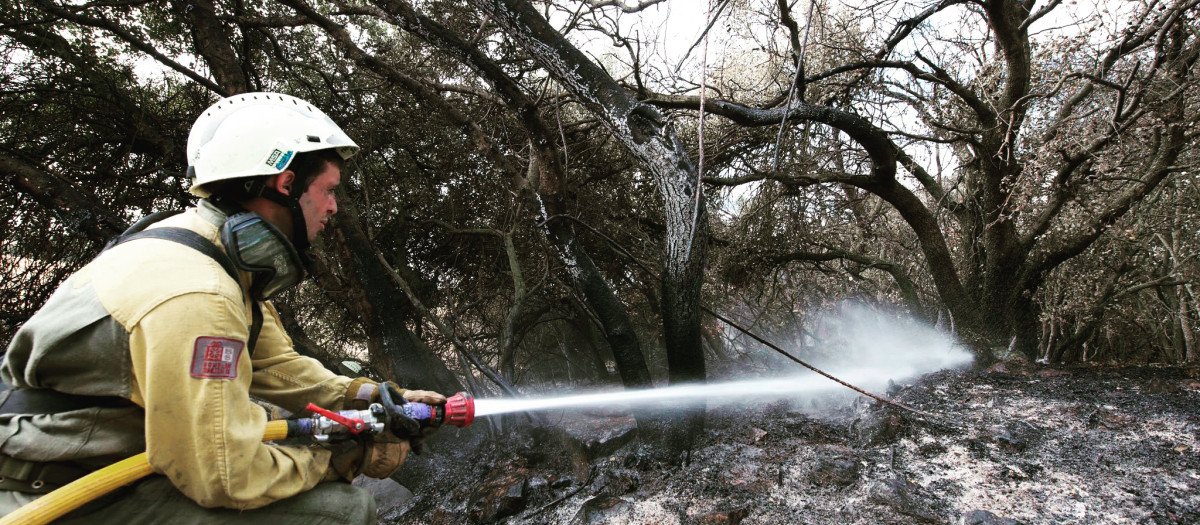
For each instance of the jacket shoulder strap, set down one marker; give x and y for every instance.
(140, 225)
(187, 238)
(196, 242)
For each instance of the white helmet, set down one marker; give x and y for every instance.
(255, 134)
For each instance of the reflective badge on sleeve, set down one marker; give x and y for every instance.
(216, 357)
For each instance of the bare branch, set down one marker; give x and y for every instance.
(927, 181)
(906, 27)
(938, 76)
(785, 15)
(1034, 17)
(715, 17)
(129, 38)
(626, 8)
(468, 90)
(907, 289)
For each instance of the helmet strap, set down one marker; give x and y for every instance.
(256, 188)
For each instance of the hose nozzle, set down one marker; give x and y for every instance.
(460, 410)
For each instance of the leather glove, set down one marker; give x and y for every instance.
(422, 396)
(384, 456)
(377, 456)
(417, 439)
(404, 427)
(362, 392)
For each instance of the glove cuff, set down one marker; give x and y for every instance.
(360, 394)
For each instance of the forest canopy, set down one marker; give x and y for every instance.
(557, 191)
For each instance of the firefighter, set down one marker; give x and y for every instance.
(159, 343)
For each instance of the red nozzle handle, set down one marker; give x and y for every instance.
(354, 424)
(460, 410)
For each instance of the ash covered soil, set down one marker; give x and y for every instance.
(1089, 445)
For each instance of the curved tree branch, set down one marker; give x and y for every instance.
(939, 76)
(129, 38)
(908, 290)
(882, 182)
(214, 44)
(78, 211)
(625, 8)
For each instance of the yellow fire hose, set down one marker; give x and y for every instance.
(73, 495)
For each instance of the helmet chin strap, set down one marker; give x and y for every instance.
(299, 226)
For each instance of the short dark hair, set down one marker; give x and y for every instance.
(307, 166)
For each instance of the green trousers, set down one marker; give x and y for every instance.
(154, 501)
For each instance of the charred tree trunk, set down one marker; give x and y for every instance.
(582, 330)
(645, 133)
(544, 181)
(384, 311)
(614, 320)
(514, 326)
(213, 43)
(1185, 324)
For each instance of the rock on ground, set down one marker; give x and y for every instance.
(389, 495)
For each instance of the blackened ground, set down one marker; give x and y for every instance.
(1089, 445)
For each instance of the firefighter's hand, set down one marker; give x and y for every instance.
(423, 396)
(377, 457)
(384, 455)
(417, 441)
(362, 392)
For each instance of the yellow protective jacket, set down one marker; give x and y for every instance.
(164, 326)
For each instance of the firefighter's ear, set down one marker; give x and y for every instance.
(282, 182)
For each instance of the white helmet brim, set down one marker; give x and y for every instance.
(255, 134)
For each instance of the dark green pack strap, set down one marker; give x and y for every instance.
(255, 324)
(36, 477)
(140, 225)
(199, 243)
(187, 238)
(46, 401)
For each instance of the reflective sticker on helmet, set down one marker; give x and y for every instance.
(216, 357)
(279, 159)
(283, 161)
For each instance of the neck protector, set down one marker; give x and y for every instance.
(256, 188)
(258, 247)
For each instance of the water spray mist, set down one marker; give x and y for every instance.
(876, 348)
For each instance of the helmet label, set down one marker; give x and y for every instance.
(279, 159)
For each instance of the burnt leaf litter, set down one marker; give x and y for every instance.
(1014, 445)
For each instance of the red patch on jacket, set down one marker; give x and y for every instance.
(216, 358)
